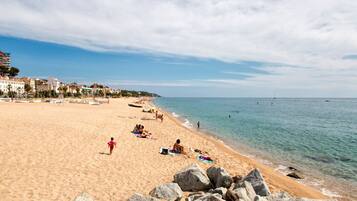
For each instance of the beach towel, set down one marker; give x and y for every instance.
(204, 159)
(166, 151)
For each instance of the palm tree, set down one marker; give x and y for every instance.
(28, 88)
(63, 90)
(18, 92)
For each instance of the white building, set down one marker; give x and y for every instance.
(7, 84)
(54, 84)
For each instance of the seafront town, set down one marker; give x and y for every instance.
(12, 86)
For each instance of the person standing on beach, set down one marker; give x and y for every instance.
(111, 145)
(198, 124)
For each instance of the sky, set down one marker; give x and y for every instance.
(211, 48)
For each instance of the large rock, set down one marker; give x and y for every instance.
(192, 178)
(222, 191)
(219, 177)
(194, 196)
(258, 182)
(139, 197)
(210, 197)
(232, 195)
(260, 198)
(242, 194)
(84, 197)
(170, 191)
(250, 190)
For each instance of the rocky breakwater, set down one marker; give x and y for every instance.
(215, 184)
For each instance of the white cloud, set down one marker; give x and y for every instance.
(316, 34)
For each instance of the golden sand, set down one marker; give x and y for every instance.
(55, 152)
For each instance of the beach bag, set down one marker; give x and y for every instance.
(164, 151)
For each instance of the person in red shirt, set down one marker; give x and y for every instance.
(111, 145)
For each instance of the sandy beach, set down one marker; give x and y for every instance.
(55, 152)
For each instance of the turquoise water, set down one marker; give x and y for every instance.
(317, 136)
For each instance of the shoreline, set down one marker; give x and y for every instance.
(63, 153)
(273, 177)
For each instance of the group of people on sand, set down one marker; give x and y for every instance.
(177, 148)
(140, 132)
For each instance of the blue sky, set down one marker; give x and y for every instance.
(167, 74)
(229, 48)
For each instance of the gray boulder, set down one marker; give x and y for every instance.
(250, 190)
(259, 198)
(192, 178)
(242, 194)
(219, 177)
(139, 197)
(194, 196)
(210, 197)
(84, 197)
(258, 182)
(232, 195)
(170, 191)
(222, 191)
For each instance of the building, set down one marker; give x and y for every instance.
(7, 84)
(73, 88)
(54, 84)
(41, 85)
(116, 91)
(5, 59)
(31, 82)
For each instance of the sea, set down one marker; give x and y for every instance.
(314, 135)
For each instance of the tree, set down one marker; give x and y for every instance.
(13, 72)
(78, 92)
(9, 71)
(53, 94)
(12, 94)
(84, 92)
(28, 88)
(18, 91)
(9, 88)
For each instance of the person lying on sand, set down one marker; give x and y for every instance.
(141, 133)
(177, 148)
(111, 145)
(145, 134)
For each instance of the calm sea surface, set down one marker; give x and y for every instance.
(317, 136)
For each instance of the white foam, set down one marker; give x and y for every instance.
(281, 168)
(175, 115)
(187, 124)
(329, 193)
